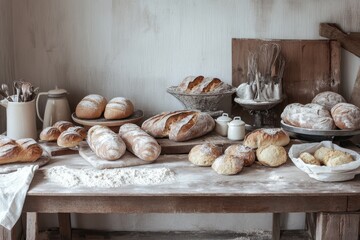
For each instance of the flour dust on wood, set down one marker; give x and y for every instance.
(109, 178)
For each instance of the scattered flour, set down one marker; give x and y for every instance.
(109, 178)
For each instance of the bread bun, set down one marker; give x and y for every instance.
(271, 155)
(243, 152)
(228, 165)
(50, 134)
(336, 157)
(266, 136)
(346, 116)
(90, 107)
(200, 85)
(328, 99)
(204, 154)
(118, 108)
(311, 116)
(309, 159)
(321, 153)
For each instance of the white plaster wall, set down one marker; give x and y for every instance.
(137, 48)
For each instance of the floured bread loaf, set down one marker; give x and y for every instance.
(228, 165)
(179, 125)
(90, 107)
(139, 142)
(335, 157)
(118, 108)
(346, 116)
(321, 153)
(105, 143)
(21, 150)
(243, 152)
(200, 84)
(312, 116)
(50, 134)
(204, 154)
(266, 136)
(271, 155)
(328, 99)
(309, 159)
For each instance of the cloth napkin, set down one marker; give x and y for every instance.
(13, 189)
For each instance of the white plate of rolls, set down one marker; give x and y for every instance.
(325, 161)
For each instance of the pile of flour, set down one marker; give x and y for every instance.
(109, 178)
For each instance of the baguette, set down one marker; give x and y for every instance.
(139, 142)
(22, 150)
(105, 143)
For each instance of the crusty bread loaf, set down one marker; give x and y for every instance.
(346, 116)
(228, 165)
(50, 134)
(63, 125)
(204, 154)
(243, 152)
(90, 107)
(179, 125)
(80, 130)
(105, 143)
(271, 155)
(199, 85)
(266, 136)
(118, 108)
(139, 142)
(309, 159)
(69, 138)
(21, 150)
(328, 99)
(312, 116)
(321, 153)
(336, 158)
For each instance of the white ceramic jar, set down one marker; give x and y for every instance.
(221, 126)
(236, 129)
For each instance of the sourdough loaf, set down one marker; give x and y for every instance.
(328, 99)
(200, 84)
(118, 108)
(266, 136)
(90, 107)
(271, 155)
(139, 142)
(243, 152)
(204, 154)
(228, 165)
(21, 150)
(346, 116)
(179, 125)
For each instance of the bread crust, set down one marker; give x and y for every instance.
(346, 116)
(266, 136)
(91, 106)
(118, 108)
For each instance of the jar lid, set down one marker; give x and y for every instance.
(224, 118)
(57, 92)
(236, 122)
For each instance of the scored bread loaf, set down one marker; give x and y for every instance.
(118, 108)
(63, 125)
(139, 142)
(21, 150)
(50, 134)
(179, 125)
(91, 106)
(266, 136)
(200, 84)
(69, 138)
(105, 143)
(346, 116)
(328, 99)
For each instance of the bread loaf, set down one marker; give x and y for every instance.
(271, 155)
(90, 107)
(139, 142)
(243, 152)
(179, 125)
(69, 138)
(50, 134)
(80, 130)
(336, 158)
(266, 136)
(22, 150)
(204, 154)
(311, 116)
(105, 143)
(200, 84)
(228, 165)
(309, 159)
(346, 116)
(118, 108)
(328, 99)
(63, 125)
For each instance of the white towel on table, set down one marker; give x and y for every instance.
(13, 189)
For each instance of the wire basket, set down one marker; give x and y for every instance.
(205, 102)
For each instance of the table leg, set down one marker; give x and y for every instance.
(342, 226)
(276, 226)
(310, 221)
(64, 226)
(32, 226)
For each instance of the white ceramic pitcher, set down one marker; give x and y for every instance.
(20, 119)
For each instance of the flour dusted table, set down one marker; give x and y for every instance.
(201, 190)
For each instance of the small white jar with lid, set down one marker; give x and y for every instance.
(221, 126)
(236, 130)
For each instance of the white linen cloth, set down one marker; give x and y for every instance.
(13, 189)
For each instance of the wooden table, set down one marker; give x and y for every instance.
(201, 190)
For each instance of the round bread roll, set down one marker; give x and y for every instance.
(328, 99)
(204, 154)
(63, 125)
(321, 153)
(346, 116)
(266, 136)
(271, 155)
(336, 157)
(311, 116)
(228, 165)
(50, 134)
(309, 159)
(243, 152)
(118, 108)
(69, 139)
(91, 106)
